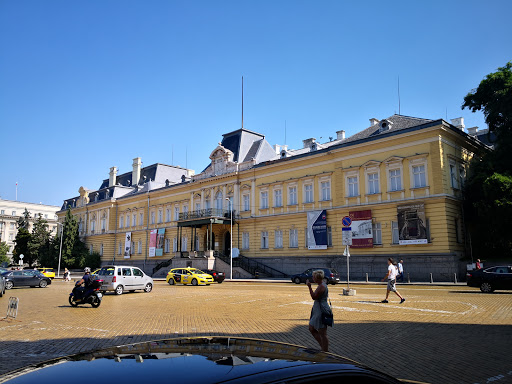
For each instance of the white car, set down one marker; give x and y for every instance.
(120, 278)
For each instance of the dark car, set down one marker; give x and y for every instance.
(492, 278)
(331, 275)
(217, 276)
(29, 278)
(203, 360)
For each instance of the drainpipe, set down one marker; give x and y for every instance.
(147, 235)
(115, 240)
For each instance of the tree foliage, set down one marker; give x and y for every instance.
(488, 190)
(4, 249)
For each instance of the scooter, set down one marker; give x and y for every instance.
(88, 295)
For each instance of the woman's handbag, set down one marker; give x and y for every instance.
(328, 318)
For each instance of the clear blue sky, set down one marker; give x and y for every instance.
(87, 85)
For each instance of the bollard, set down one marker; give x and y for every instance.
(455, 277)
(408, 278)
(431, 279)
(367, 277)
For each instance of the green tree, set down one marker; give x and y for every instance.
(24, 220)
(74, 250)
(39, 244)
(488, 189)
(21, 247)
(4, 248)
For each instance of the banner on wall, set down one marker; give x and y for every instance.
(411, 224)
(127, 245)
(362, 232)
(152, 242)
(160, 242)
(317, 229)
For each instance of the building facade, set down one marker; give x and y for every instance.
(11, 211)
(399, 181)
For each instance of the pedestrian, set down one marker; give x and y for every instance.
(478, 265)
(67, 275)
(317, 328)
(391, 278)
(400, 276)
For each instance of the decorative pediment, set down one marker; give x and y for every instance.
(393, 159)
(371, 164)
(221, 153)
(245, 186)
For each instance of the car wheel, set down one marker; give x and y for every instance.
(148, 288)
(171, 281)
(194, 282)
(43, 284)
(296, 280)
(119, 290)
(72, 301)
(220, 281)
(8, 284)
(486, 288)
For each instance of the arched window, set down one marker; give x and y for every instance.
(218, 200)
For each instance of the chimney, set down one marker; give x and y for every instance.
(308, 142)
(136, 170)
(373, 121)
(113, 177)
(458, 122)
(473, 131)
(341, 135)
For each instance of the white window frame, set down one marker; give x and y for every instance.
(101, 249)
(245, 240)
(372, 181)
(141, 218)
(175, 244)
(395, 234)
(416, 163)
(294, 238)
(176, 212)
(278, 197)
(134, 220)
(160, 216)
(264, 199)
(167, 214)
(219, 200)
(152, 217)
(264, 239)
(278, 238)
(309, 192)
(292, 195)
(395, 181)
(139, 247)
(167, 245)
(127, 220)
(121, 222)
(454, 181)
(246, 202)
(325, 190)
(184, 243)
(377, 233)
(351, 179)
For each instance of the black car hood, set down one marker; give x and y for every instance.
(199, 360)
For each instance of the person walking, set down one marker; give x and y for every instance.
(391, 278)
(400, 276)
(478, 265)
(317, 328)
(67, 275)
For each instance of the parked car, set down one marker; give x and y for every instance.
(331, 275)
(217, 276)
(48, 272)
(120, 278)
(490, 279)
(186, 276)
(205, 360)
(29, 277)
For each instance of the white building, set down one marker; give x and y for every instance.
(11, 211)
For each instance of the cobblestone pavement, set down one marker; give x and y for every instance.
(450, 334)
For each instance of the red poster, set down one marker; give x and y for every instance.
(362, 233)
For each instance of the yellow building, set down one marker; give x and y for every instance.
(399, 181)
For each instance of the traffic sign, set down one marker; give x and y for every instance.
(346, 236)
(346, 221)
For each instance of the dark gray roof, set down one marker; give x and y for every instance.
(240, 142)
(156, 172)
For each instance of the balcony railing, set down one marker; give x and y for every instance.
(206, 213)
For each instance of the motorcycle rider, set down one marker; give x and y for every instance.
(85, 281)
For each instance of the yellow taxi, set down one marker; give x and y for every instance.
(186, 276)
(48, 272)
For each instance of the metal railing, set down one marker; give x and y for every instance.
(205, 213)
(251, 266)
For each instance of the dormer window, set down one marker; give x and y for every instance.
(385, 125)
(283, 154)
(313, 147)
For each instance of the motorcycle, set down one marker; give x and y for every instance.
(87, 295)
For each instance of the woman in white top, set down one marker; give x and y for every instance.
(391, 277)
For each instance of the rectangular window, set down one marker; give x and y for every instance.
(153, 217)
(93, 226)
(308, 193)
(373, 183)
(139, 247)
(377, 233)
(292, 196)
(132, 248)
(13, 213)
(264, 200)
(325, 188)
(394, 232)
(185, 209)
(395, 180)
(2, 212)
(121, 222)
(419, 178)
(246, 203)
(175, 244)
(278, 239)
(134, 220)
(278, 198)
(264, 240)
(11, 225)
(306, 238)
(453, 176)
(294, 238)
(353, 188)
(167, 245)
(167, 215)
(160, 216)
(127, 220)
(329, 236)
(91, 249)
(101, 249)
(120, 248)
(245, 240)
(208, 204)
(141, 218)
(461, 176)
(184, 244)
(176, 213)
(198, 207)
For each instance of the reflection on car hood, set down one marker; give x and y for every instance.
(198, 360)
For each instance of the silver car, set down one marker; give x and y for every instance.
(120, 278)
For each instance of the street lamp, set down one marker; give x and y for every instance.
(231, 238)
(60, 248)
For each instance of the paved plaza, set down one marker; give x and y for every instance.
(441, 334)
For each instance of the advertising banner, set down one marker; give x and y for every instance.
(127, 245)
(411, 224)
(160, 242)
(152, 242)
(317, 229)
(362, 233)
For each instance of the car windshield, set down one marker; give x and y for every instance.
(197, 271)
(106, 271)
